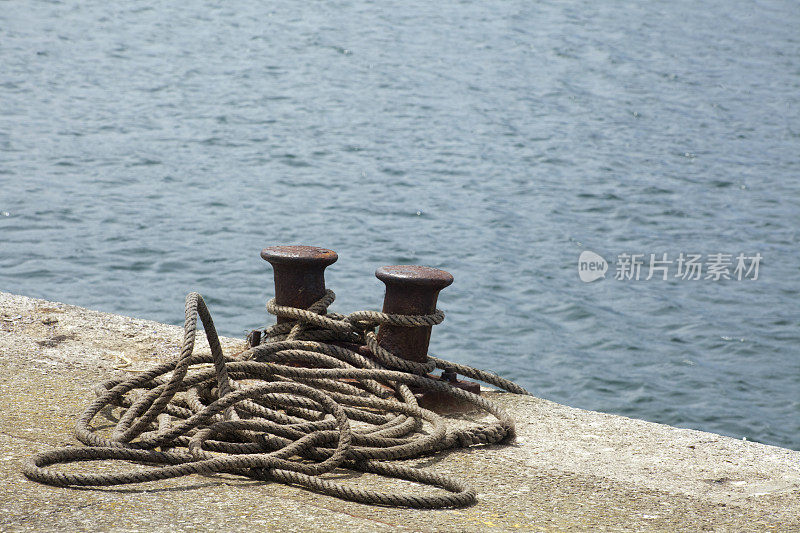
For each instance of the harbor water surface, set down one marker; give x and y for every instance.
(152, 149)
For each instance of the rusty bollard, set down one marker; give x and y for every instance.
(414, 290)
(300, 281)
(410, 290)
(299, 274)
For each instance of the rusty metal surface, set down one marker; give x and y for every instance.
(410, 290)
(414, 290)
(299, 273)
(255, 338)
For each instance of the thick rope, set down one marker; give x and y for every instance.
(297, 406)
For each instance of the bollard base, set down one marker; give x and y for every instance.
(441, 402)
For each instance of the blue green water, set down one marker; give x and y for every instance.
(151, 149)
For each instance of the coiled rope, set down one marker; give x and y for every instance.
(297, 406)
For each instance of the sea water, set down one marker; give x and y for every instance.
(150, 149)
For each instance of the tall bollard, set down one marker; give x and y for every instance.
(299, 274)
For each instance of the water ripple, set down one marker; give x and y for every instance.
(149, 151)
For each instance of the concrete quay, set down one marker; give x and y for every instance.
(569, 469)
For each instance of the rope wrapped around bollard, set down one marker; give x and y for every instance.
(298, 405)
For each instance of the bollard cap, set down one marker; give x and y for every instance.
(310, 256)
(414, 276)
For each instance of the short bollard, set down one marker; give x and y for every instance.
(299, 274)
(414, 290)
(410, 290)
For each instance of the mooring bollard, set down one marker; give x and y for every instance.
(414, 290)
(300, 281)
(410, 290)
(299, 274)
